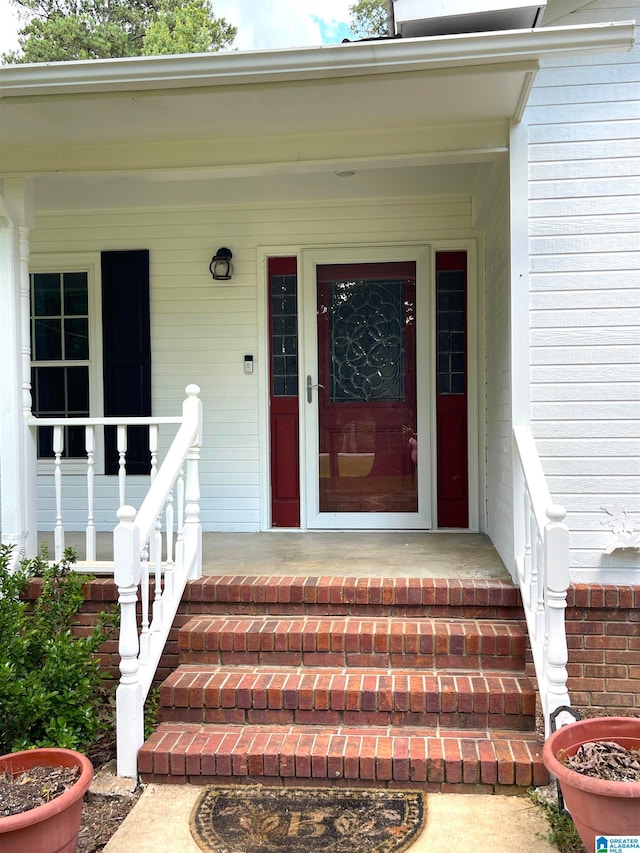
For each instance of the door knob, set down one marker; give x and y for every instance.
(310, 387)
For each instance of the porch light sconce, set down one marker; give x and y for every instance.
(221, 267)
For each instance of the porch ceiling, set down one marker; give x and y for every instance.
(71, 192)
(286, 116)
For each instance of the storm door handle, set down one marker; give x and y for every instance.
(310, 387)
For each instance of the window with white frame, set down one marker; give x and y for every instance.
(63, 350)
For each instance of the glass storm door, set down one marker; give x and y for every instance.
(363, 396)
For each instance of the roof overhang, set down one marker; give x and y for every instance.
(462, 52)
(444, 99)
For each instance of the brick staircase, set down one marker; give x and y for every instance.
(349, 681)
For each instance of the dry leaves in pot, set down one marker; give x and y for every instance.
(605, 760)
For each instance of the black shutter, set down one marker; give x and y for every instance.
(126, 342)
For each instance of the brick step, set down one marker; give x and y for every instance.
(387, 757)
(338, 641)
(348, 697)
(343, 596)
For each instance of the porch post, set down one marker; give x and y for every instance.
(17, 442)
(519, 343)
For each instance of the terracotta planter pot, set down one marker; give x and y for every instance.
(53, 827)
(598, 807)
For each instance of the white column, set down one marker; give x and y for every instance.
(519, 313)
(31, 453)
(519, 256)
(17, 449)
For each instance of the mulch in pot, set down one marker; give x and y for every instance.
(34, 787)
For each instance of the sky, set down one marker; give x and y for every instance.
(261, 24)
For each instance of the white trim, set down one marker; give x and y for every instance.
(519, 332)
(530, 79)
(329, 61)
(14, 483)
(481, 378)
(519, 259)
(421, 520)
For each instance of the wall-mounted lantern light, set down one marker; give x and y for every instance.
(220, 267)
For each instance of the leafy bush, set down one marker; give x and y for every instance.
(50, 681)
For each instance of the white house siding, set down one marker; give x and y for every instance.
(585, 291)
(498, 500)
(202, 329)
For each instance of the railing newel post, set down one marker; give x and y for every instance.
(129, 706)
(556, 560)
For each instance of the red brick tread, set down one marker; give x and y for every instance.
(353, 641)
(386, 756)
(468, 598)
(284, 696)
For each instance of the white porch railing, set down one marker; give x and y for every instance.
(162, 539)
(542, 572)
(138, 547)
(59, 468)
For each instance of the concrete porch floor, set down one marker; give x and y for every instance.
(453, 555)
(376, 554)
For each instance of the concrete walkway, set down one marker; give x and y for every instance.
(456, 823)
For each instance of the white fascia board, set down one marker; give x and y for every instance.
(328, 61)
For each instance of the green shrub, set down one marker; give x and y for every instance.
(51, 684)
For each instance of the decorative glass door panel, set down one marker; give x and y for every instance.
(367, 421)
(451, 389)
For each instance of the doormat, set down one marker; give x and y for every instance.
(306, 820)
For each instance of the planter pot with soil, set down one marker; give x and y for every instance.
(598, 806)
(51, 827)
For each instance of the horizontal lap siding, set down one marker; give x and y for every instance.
(584, 208)
(202, 329)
